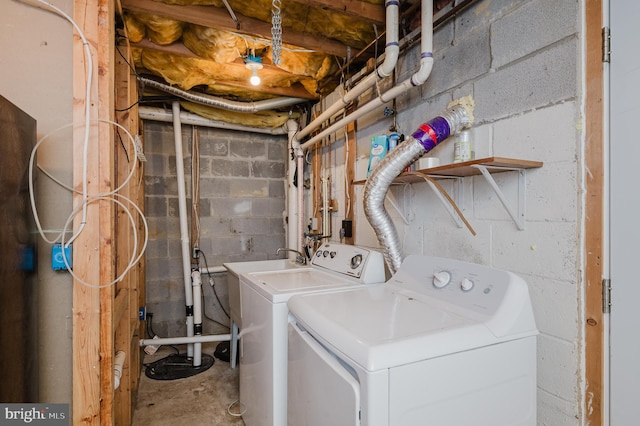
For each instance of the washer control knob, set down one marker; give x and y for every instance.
(332, 254)
(325, 253)
(441, 279)
(356, 261)
(466, 284)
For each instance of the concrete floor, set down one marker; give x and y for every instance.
(203, 399)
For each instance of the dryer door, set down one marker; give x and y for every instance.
(321, 391)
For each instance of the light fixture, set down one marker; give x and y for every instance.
(254, 63)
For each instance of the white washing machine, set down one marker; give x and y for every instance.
(234, 270)
(442, 343)
(263, 304)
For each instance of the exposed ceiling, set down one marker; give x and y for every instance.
(203, 45)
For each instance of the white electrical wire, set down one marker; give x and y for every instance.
(135, 256)
(87, 106)
(86, 199)
(242, 408)
(62, 184)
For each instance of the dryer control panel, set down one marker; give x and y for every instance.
(491, 296)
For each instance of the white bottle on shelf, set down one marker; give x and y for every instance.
(462, 150)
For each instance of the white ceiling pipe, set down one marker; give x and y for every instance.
(160, 114)
(426, 64)
(392, 50)
(214, 101)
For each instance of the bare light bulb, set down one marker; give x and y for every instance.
(254, 66)
(255, 78)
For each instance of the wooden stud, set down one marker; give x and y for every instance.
(90, 255)
(125, 314)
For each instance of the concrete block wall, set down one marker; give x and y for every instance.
(242, 196)
(520, 61)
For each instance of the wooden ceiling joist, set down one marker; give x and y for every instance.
(214, 17)
(370, 12)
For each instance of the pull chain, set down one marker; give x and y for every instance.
(276, 31)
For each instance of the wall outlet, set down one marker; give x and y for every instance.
(57, 262)
(347, 226)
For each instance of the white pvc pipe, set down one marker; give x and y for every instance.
(160, 114)
(184, 232)
(392, 51)
(186, 340)
(326, 230)
(292, 207)
(118, 363)
(196, 283)
(300, 210)
(426, 64)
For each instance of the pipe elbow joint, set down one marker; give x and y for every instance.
(426, 65)
(391, 59)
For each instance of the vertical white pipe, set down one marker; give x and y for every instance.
(325, 208)
(184, 233)
(300, 158)
(426, 64)
(196, 281)
(392, 50)
(292, 202)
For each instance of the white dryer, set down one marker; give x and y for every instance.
(263, 304)
(443, 342)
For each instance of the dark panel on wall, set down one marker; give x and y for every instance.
(18, 325)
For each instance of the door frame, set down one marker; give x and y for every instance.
(594, 401)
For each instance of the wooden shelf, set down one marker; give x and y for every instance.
(496, 165)
(484, 167)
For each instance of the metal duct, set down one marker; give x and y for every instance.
(217, 102)
(423, 140)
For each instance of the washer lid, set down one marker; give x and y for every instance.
(278, 286)
(237, 268)
(383, 326)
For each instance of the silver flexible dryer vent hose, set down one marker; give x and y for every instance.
(423, 140)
